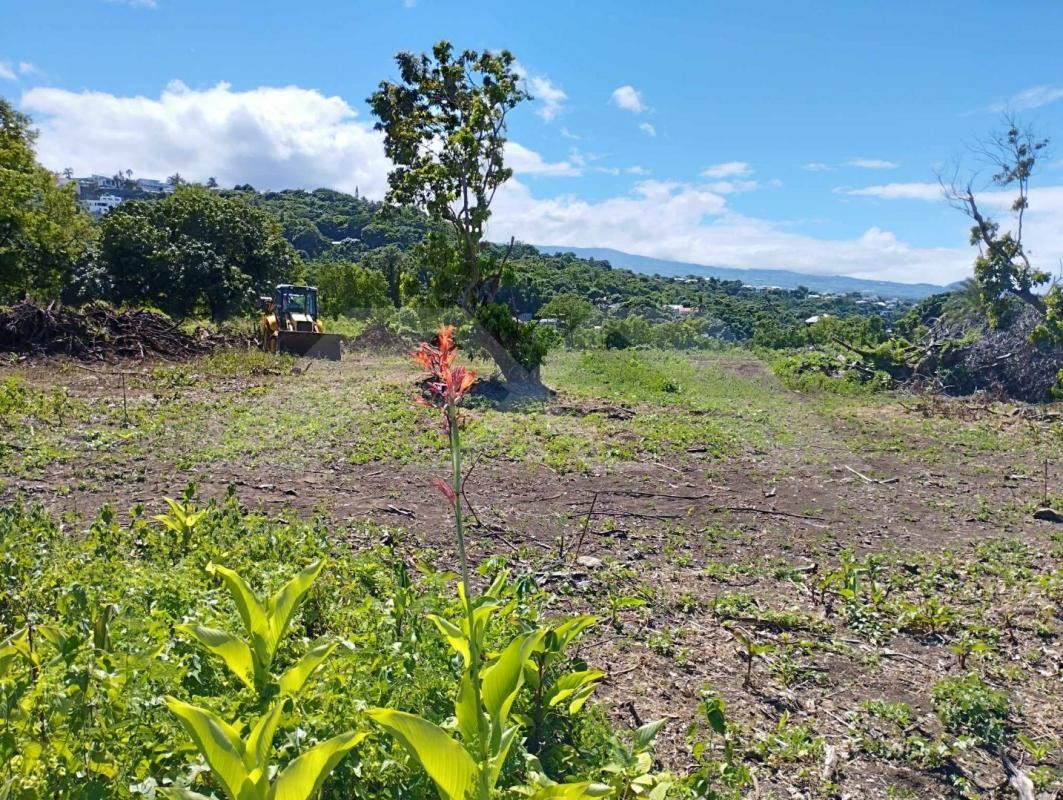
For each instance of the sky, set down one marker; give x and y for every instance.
(770, 134)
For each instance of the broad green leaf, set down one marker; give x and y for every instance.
(219, 744)
(447, 763)
(293, 680)
(287, 599)
(304, 776)
(570, 791)
(251, 612)
(571, 628)
(497, 585)
(466, 711)
(494, 764)
(454, 636)
(234, 652)
(501, 681)
(260, 740)
(645, 734)
(570, 684)
(180, 794)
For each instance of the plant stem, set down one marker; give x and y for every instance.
(474, 643)
(455, 456)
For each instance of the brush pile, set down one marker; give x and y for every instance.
(97, 332)
(377, 338)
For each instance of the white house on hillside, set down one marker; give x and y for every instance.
(102, 205)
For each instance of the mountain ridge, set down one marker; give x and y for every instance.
(785, 279)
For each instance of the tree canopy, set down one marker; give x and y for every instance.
(444, 125)
(191, 251)
(44, 234)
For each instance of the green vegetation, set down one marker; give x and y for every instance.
(44, 235)
(182, 599)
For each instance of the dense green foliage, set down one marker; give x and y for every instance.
(326, 221)
(94, 650)
(44, 235)
(192, 251)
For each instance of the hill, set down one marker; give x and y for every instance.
(781, 278)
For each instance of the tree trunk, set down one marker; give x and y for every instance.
(518, 379)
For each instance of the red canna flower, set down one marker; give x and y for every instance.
(451, 382)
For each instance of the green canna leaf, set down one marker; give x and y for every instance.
(282, 605)
(219, 744)
(501, 752)
(645, 734)
(502, 680)
(454, 636)
(233, 651)
(293, 680)
(571, 684)
(570, 791)
(571, 628)
(304, 776)
(256, 623)
(180, 794)
(260, 740)
(466, 711)
(447, 763)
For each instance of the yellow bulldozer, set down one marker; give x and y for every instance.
(290, 324)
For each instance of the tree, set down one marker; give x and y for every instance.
(346, 288)
(571, 309)
(1003, 268)
(44, 234)
(191, 251)
(391, 263)
(444, 125)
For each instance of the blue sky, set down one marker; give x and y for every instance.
(771, 134)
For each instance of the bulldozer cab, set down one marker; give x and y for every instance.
(296, 300)
(290, 324)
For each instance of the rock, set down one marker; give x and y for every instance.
(590, 562)
(1048, 514)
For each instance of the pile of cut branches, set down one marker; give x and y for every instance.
(97, 332)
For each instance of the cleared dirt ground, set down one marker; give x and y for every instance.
(707, 515)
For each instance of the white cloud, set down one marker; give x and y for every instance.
(136, 3)
(628, 98)
(1027, 99)
(637, 170)
(647, 129)
(732, 187)
(688, 223)
(728, 169)
(524, 161)
(816, 166)
(7, 72)
(871, 163)
(274, 138)
(29, 68)
(569, 135)
(897, 191)
(291, 137)
(552, 97)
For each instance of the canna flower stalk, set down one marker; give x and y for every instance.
(448, 385)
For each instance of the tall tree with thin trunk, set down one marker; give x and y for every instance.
(1003, 268)
(444, 125)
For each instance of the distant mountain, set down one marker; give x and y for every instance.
(784, 279)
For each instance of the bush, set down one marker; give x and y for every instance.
(967, 706)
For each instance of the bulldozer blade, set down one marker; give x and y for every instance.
(310, 345)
